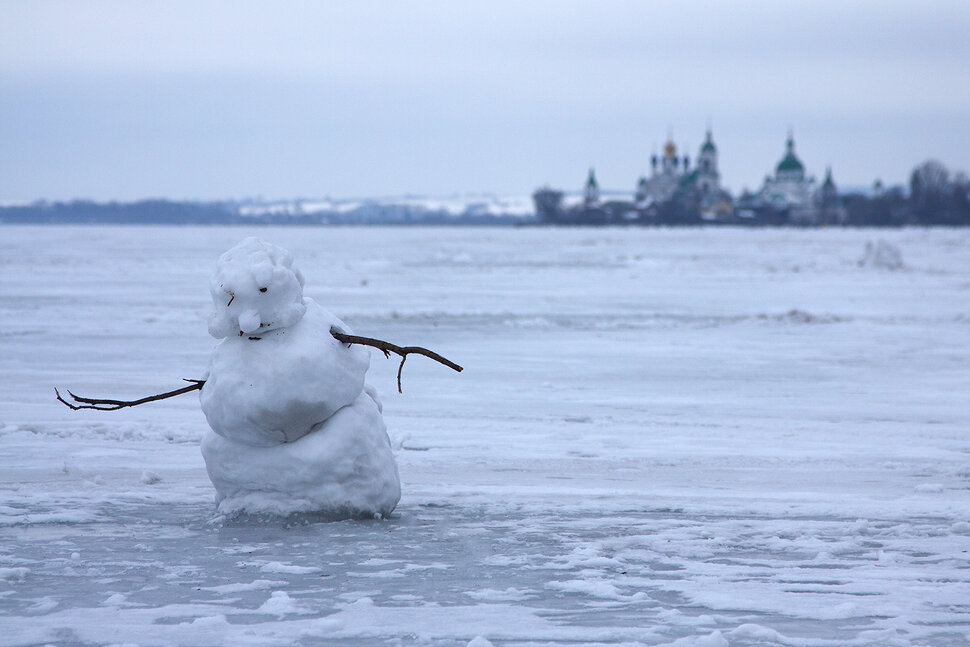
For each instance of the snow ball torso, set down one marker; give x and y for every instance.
(273, 389)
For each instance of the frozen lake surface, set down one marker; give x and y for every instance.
(692, 437)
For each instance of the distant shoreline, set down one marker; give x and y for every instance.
(403, 211)
(471, 211)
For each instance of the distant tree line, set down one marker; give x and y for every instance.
(229, 213)
(142, 212)
(935, 197)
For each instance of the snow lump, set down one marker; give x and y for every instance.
(294, 427)
(882, 254)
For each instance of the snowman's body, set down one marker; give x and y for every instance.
(294, 428)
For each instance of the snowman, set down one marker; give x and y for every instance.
(293, 427)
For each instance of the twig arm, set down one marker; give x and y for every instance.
(387, 348)
(102, 404)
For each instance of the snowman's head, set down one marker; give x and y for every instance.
(255, 289)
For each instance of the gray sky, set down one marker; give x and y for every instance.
(125, 100)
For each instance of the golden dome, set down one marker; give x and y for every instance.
(670, 149)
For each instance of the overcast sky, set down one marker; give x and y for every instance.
(214, 100)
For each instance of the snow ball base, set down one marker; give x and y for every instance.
(343, 467)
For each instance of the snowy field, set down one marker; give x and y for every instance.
(690, 437)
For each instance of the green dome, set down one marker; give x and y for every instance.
(789, 163)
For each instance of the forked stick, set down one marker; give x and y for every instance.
(387, 348)
(102, 404)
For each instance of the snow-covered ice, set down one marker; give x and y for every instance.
(661, 437)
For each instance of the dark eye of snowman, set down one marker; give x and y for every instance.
(262, 289)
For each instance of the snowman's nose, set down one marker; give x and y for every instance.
(249, 321)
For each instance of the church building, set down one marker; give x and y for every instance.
(667, 173)
(790, 189)
(672, 174)
(794, 197)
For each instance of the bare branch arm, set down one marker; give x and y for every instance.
(387, 348)
(101, 404)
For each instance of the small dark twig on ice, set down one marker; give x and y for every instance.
(101, 404)
(387, 348)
